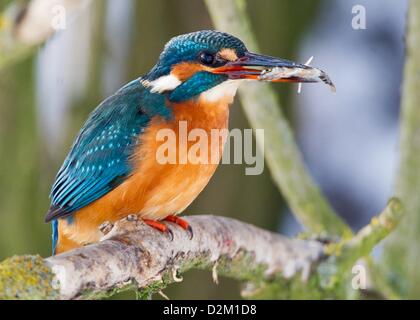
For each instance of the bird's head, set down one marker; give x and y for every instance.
(214, 64)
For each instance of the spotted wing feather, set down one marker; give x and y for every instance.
(99, 160)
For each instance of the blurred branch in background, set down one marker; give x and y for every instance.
(27, 163)
(283, 157)
(134, 256)
(26, 25)
(402, 254)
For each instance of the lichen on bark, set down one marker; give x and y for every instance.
(26, 277)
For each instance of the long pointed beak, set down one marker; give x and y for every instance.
(265, 68)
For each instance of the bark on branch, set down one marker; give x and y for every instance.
(135, 256)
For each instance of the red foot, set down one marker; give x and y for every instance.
(181, 222)
(159, 226)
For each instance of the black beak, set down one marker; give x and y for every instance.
(265, 68)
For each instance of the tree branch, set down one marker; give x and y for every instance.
(135, 256)
(344, 254)
(26, 25)
(401, 253)
(283, 157)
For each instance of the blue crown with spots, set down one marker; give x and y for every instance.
(188, 47)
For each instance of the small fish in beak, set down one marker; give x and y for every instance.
(265, 68)
(296, 74)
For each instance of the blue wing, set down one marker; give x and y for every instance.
(99, 159)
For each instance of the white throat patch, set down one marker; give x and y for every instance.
(164, 83)
(225, 90)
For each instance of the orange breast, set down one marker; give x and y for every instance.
(156, 190)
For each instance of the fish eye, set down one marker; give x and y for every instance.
(207, 58)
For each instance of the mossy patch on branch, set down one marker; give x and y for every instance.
(26, 277)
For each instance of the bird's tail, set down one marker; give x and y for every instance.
(54, 225)
(60, 243)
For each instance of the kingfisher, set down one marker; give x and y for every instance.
(112, 170)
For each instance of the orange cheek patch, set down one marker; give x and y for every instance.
(228, 54)
(186, 70)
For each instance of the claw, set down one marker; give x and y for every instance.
(182, 223)
(190, 232)
(132, 217)
(106, 227)
(171, 234)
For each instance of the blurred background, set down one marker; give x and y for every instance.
(348, 139)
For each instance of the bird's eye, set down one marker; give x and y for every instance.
(207, 58)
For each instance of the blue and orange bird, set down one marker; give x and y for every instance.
(112, 171)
